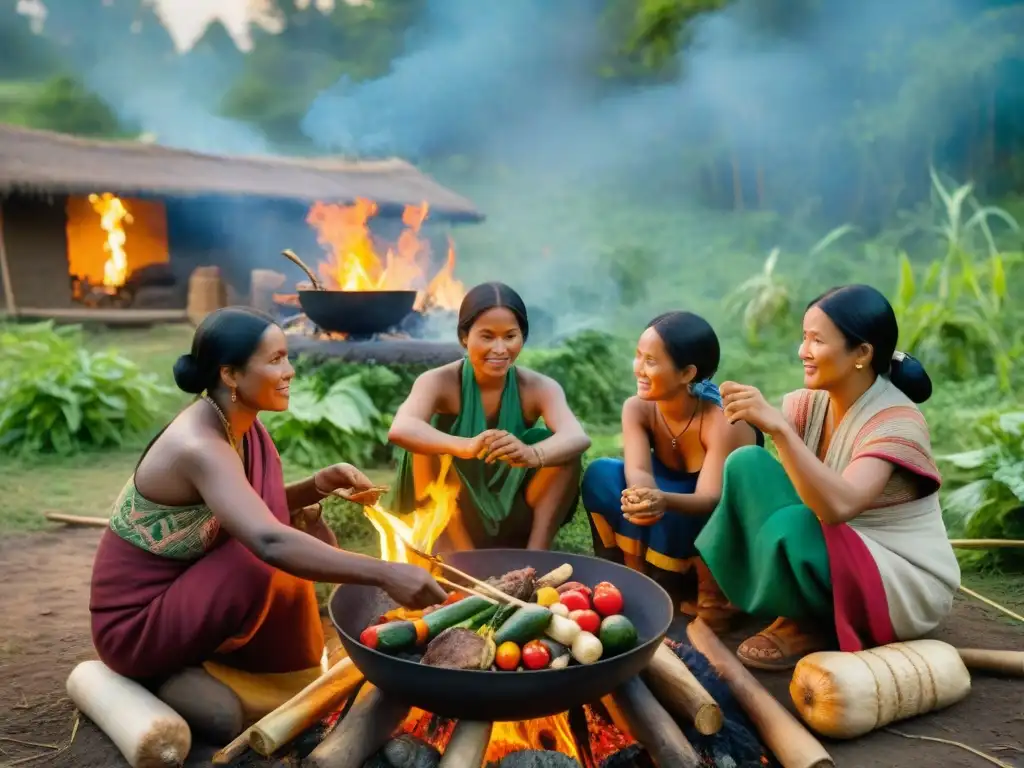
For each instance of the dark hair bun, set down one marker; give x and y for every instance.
(187, 375)
(910, 377)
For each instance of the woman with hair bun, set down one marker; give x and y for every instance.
(648, 507)
(843, 540)
(203, 584)
(518, 481)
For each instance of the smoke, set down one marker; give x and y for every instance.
(555, 161)
(124, 53)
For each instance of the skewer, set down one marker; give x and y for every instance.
(467, 590)
(453, 571)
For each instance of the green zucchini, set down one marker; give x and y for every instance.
(524, 625)
(389, 637)
(450, 615)
(503, 614)
(478, 619)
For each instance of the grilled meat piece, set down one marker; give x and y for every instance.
(518, 583)
(459, 648)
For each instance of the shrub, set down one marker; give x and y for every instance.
(987, 500)
(327, 424)
(58, 397)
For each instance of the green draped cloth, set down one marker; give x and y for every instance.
(763, 545)
(493, 489)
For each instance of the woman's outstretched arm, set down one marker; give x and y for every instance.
(569, 440)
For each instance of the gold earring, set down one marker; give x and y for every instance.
(858, 366)
(234, 395)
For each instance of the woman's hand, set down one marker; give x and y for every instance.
(359, 488)
(411, 586)
(745, 403)
(512, 451)
(643, 506)
(477, 447)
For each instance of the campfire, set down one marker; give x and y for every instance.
(357, 261)
(628, 728)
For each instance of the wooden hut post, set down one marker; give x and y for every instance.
(5, 271)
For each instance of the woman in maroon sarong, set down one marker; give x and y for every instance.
(204, 580)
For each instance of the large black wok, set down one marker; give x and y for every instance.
(506, 696)
(357, 313)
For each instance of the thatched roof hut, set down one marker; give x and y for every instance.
(44, 174)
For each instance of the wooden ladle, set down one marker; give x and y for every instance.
(289, 254)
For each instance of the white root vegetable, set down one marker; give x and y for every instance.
(561, 662)
(559, 610)
(586, 648)
(846, 695)
(555, 578)
(148, 732)
(562, 630)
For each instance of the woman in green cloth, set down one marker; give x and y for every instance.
(518, 481)
(841, 540)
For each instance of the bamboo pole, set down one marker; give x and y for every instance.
(634, 710)
(986, 543)
(791, 743)
(60, 517)
(1001, 662)
(5, 272)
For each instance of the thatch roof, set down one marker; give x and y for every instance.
(42, 161)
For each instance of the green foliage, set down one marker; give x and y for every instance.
(987, 500)
(61, 104)
(955, 321)
(325, 425)
(58, 397)
(592, 368)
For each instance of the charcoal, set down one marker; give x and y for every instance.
(519, 583)
(456, 648)
(632, 756)
(378, 761)
(737, 740)
(407, 751)
(536, 758)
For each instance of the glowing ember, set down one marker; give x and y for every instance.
(113, 215)
(549, 733)
(354, 262)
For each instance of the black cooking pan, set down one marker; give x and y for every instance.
(506, 696)
(357, 313)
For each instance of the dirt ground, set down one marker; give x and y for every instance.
(44, 631)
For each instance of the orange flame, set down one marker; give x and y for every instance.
(354, 263)
(113, 215)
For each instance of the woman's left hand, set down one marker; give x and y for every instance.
(359, 488)
(745, 403)
(512, 451)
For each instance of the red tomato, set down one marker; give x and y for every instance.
(607, 599)
(536, 655)
(574, 600)
(588, 620)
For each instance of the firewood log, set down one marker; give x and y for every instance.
(147, 732)
(323, 695)
(792, 744)
(365, 729)
(634, 710)
(1009, 663)
(468, 745)
(681, 693)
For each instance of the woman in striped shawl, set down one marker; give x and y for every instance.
(843, 540)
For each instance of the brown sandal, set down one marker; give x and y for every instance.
(779, 647)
